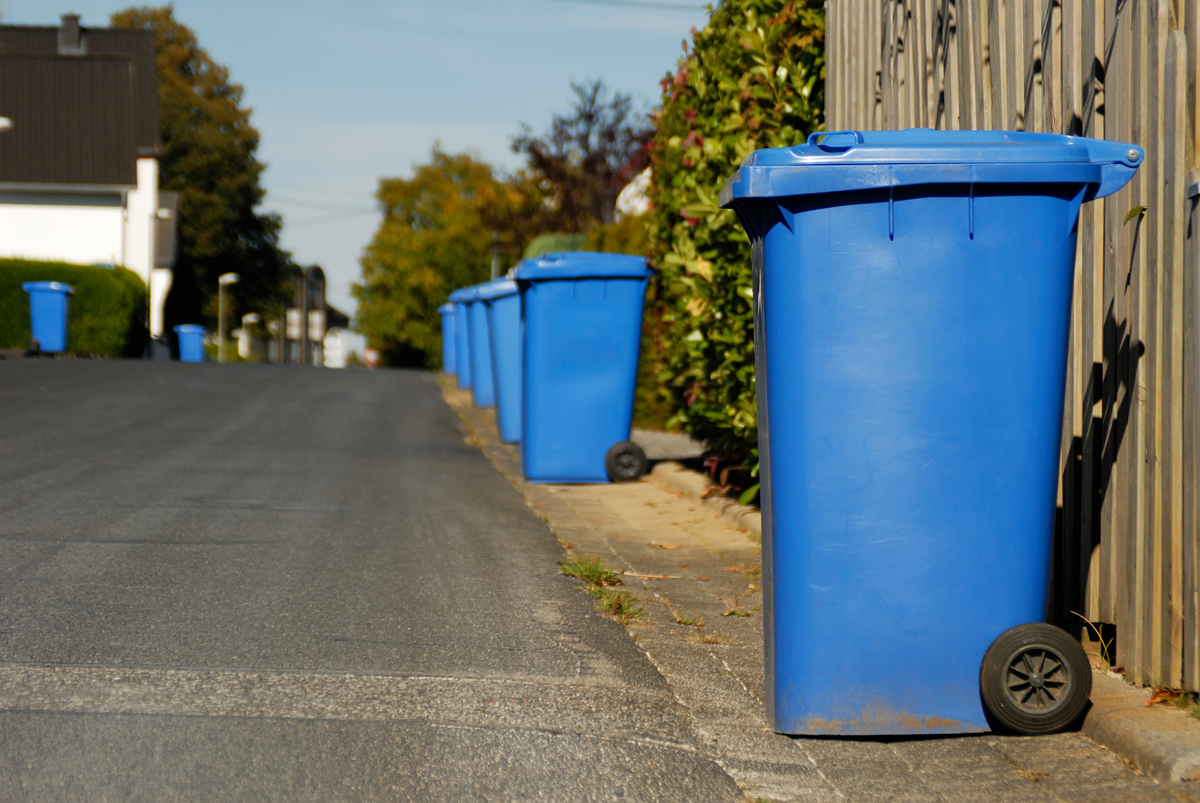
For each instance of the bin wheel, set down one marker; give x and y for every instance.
(1035, 678)
(625, 462)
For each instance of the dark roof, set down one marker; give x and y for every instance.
(166, 225)
(335, 317)
(73, 120)
(136, 44)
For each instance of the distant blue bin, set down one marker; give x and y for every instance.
(448, 345)
(462, 336)
(503, 305)
(48, 313)
(582, 315)
(191, 342)
(912, 296)
(483, 384)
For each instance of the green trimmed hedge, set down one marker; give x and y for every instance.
(106, 315)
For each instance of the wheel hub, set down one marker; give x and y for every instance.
(1036, 680)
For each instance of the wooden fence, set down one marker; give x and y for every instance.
(1125, 549)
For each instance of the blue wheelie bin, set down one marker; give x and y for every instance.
(462, 346)
(191, 342)
(483, 385)
(582, 318)
(48, 313)
(502, 304)
(448, 345)
(912, 296)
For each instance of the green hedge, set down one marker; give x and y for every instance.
(106, 314)
(754, 78)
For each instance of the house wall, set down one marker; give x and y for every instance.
(141, 210)
(84, 229)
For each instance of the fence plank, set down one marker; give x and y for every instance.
(1175, 134)
(1191, 440)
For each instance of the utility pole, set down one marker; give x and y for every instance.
(495, 255)
(223, 281)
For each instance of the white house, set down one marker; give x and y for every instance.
(79, 165)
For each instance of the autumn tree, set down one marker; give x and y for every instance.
(209, 156)
(587, 156)
(435, 237)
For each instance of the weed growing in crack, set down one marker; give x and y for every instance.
(590, 569)
(733, 609)
(620, 605)
(684, 619)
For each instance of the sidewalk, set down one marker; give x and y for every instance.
(686, 562)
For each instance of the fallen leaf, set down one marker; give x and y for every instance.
(668, 546)
(705, 579)
(1162, 696)
(684, 565)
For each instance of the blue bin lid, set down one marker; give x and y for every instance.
(856, 160)
(583, 264)
(446, 309)
(464, 295)
(497, 289)
(189, 329)
(47, 287)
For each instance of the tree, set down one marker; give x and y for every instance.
(586, 158)
(436, 236)
(209, 156)
(754, 79)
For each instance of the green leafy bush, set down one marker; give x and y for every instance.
(106, 316)
(754, 78)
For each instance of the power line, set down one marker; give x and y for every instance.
(327, 218)
(307, 204)
(638, 4)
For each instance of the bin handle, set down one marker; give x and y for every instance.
(826, 136)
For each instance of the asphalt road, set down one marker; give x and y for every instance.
(271, 583)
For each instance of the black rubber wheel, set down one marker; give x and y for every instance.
(625, 462)
(1035, 679)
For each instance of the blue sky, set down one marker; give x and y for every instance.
(344, 93)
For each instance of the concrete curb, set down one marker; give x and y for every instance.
(1161, 741)
(695, 484)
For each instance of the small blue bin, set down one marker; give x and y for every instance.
(462, 336)
(503, 304)
(483, 385)
(48, 313)
(912, 296)
(191, 342)
(448, 345)
(582, 315)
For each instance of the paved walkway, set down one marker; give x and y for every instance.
(685, 563)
